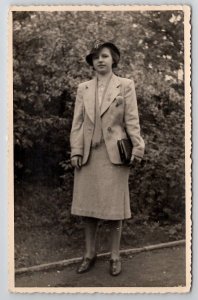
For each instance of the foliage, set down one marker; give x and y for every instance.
(48, 56)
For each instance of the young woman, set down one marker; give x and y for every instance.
(105, 111)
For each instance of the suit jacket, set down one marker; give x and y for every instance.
(119, 113)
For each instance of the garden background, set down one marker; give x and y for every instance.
(49, 51)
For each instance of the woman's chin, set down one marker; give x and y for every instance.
(103, 71)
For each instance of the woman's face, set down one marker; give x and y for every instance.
(102, 61)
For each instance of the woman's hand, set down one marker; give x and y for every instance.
(134, 159)
(76, 161)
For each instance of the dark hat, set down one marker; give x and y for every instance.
(99, 44)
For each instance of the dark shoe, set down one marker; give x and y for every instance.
(86, 265)
(115, 267)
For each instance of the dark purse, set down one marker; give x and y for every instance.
(125, 147)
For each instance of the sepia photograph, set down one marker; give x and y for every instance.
(99, 149)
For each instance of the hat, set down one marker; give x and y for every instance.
(98, 44)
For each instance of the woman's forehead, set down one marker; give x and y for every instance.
(103, 50)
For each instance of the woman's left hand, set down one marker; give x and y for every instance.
(135, 159)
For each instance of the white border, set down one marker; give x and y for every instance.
(185, 289)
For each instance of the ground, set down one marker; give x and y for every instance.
(38, 245)
(158, 268)
(42, 237)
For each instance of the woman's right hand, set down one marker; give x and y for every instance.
(76, 161)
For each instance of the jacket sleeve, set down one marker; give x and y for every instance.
(76, 135)
(132, 120)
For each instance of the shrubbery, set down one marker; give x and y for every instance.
(49, 51)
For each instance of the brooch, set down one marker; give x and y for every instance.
(119, 100)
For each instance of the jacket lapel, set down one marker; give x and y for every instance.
(89, 98)
(112, 91)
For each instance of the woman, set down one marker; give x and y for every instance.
(105, 111)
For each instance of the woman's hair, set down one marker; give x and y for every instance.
(114, 55)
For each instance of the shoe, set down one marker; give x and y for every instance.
(86, 265)
(115, 267)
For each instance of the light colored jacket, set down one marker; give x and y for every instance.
(119, 113)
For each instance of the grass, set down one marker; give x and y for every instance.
(46, 232)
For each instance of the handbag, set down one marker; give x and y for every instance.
(125, 147)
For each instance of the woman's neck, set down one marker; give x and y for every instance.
(104, 77)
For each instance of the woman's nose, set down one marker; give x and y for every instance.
(100, 58)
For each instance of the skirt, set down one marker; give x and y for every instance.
(101, 188)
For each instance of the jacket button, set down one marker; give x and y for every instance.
(109, 129)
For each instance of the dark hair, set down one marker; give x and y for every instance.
(114, 55)
(97, 46)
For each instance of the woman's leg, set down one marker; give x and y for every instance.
(90, 245)
(90, 237)
(115, 232)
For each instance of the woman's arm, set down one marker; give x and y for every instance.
(132, 121)
(76, 135)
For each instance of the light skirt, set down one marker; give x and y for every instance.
(101, 188)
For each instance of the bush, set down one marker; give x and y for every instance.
(49, 51)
